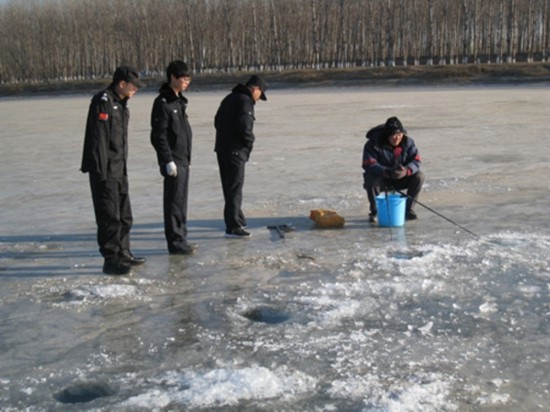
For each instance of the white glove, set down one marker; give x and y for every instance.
(171, 169)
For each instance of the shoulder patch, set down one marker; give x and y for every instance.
(103, 116)
(104, 97)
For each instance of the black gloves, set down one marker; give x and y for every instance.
(399, 173)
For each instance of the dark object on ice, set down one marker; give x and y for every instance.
(304, 256)
(286, 228)
(266, 315)
(406, 255)
(83, 392)
(281, 229)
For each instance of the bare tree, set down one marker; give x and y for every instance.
(67, 39)
(275, 46)
(511, 35)
(545, 31)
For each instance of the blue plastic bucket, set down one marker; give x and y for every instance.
(391, 209)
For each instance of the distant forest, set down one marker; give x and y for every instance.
(43, 40)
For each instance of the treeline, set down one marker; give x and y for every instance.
(44, 40)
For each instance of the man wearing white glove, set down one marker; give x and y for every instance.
(171, 169)
(171, 137)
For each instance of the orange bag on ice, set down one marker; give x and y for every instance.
(326, 218)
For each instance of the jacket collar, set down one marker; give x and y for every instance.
(116, 99)
(168, 93)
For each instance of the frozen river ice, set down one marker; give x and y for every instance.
(420, 318)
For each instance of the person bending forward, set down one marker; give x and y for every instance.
(234, 122)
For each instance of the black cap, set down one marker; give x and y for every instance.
(257, 81)
(393, 125)
(127, 74)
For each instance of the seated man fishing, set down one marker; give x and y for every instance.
(391, 161)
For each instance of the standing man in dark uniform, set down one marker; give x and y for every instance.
(105, 157)
(234, 124)
(171, 137)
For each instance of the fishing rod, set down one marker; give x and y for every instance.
(438, 214)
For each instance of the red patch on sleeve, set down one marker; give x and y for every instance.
(103, 116)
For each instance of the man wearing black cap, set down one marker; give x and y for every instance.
(171, 137)
(104, 158)
(391, 160)
(234, 124)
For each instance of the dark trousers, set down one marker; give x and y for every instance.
(373, 184)
(113, 214)
(175, 208)
(232, 176)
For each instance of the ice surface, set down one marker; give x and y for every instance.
(420, 318)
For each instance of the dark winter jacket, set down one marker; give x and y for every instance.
(106, 139)
(171, 134)
(234, 123)
(380, 158)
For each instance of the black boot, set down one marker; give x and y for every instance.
(128, 258)
(182, 248)
(115, 267)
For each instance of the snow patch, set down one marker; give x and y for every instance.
(223, 387)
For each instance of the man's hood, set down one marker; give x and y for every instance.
(241, 88)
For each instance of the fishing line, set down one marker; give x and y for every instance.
(439, 214)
